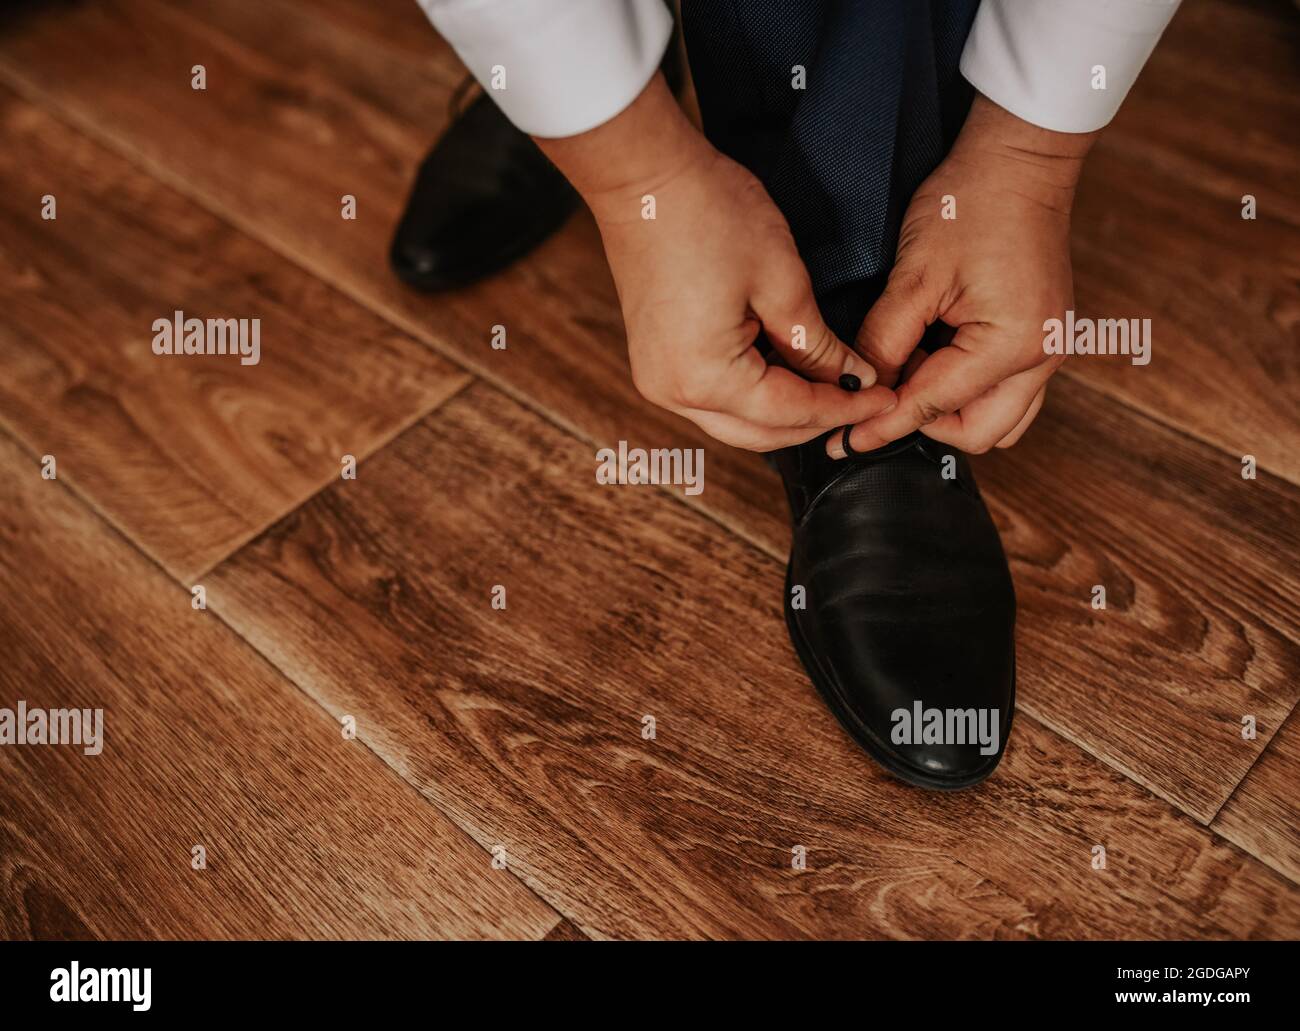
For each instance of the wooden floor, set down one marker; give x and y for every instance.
(498, 783)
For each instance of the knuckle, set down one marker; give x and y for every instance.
(666, 384)
(926, 411)
(808, 421)
(649, 388)
(786, 274)
(1027, 361)
(692, 392)
(907, 279)
(654, 386)
(743, 439)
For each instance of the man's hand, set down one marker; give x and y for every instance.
(698, 280)
(995, 272)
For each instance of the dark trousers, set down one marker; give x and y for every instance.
(881, 105)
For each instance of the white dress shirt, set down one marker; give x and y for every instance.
(561, 67)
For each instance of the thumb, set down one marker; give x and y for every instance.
(784, 303)
(896, 322)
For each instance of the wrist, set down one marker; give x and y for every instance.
(646, 145)
(1025, 154)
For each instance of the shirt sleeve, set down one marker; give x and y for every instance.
(557, 67)
(1041, 59)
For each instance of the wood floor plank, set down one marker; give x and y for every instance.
(306, 833)
(1263, 816)
(525, 724)
(1159, 233)
(189, 455)
(1237, 58)
(1188, 644)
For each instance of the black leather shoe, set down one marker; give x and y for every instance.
(907, 607)
(485, 196)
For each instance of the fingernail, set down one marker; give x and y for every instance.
(836, 449)
(850, 382)
(892, 405)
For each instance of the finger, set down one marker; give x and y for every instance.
(913, 363)
(743, 434)
(783, 301)
(944, 381)
(896, 322)
(765, 393)
(1029, 416)
(784, 399)
(978, 426)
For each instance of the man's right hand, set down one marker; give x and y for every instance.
(697, 281)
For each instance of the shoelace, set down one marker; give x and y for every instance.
(852, 384)
(937, 335)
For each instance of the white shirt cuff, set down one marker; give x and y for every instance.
(1039, 58)
(567, 65)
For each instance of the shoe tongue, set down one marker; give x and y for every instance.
(807, 470)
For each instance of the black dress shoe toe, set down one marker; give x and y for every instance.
(905, 621)
(484, 197)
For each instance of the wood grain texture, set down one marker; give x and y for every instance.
(1158, 231)
(525, 724)
(1234, 59)
(190, 455)
(1263, 815)
(307, 834)
(303, 107)
(1202, 622)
